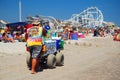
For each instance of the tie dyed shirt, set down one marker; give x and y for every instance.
(34, 36)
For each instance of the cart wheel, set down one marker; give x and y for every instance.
(51, 61)
(28, 60)
(59, 59)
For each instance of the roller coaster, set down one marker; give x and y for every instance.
(45, 20)
(90, 18)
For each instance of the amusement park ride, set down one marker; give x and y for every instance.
(89, 18)
(44, 20)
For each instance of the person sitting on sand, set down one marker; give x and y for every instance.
(6, 38)
(118, 36)
(7, 29)
(17, 37)
(115, 35)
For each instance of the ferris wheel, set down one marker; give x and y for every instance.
(90, 17)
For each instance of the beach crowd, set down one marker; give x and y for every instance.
(8, 35)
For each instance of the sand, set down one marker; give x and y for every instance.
(86, 59)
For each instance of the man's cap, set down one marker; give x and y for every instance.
(35, 22)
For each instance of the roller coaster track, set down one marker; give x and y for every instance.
(90, 17)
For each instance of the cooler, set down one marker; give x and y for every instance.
(50, 46)
(58, 42)
(62, 44)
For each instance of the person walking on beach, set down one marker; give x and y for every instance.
(34, 43)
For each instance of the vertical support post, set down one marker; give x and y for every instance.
(20, 11)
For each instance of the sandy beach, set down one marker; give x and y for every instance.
(90, 58)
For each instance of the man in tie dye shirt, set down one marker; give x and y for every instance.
(34, 43)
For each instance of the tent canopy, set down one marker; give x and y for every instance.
(17, 24)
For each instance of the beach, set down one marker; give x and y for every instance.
(91, 58)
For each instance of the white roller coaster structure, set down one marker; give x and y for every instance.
(46, 19)
(90, 17)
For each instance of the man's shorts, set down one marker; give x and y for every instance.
(35, 51)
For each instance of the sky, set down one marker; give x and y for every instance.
(60, 9)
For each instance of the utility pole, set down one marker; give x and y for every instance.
(20, 11)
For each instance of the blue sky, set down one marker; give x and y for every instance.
(62, 9)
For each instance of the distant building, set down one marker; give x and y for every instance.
(3, 24)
